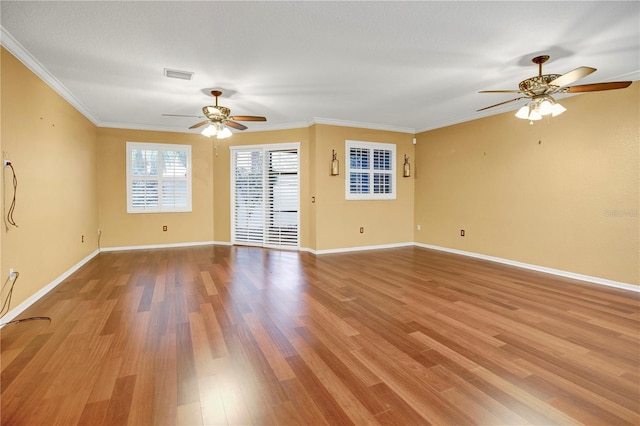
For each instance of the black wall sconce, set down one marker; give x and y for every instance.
(335, 164)
(406, 172)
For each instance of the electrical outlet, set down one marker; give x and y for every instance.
(164, 228)
(462, 232)
(6, 163)
(12, 274)
(362, 229)
(419, 227)
(82, 238)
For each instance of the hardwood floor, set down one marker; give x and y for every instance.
(239, 336)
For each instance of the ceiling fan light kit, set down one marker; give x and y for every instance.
(218, 130)
(540, 88)
(538, 107)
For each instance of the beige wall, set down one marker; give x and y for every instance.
(338, 220)
(121, 229)
(307, 198)
(53, 150)
(563, 193)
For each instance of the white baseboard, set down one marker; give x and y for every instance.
(44, 290)
(561, 273)
(171, 245)
(595, 280)
(360, 248)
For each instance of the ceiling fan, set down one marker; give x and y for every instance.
(218, 118)
(539, 89)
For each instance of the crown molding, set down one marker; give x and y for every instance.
(269, 127)
(132, 126)
(17, 50)
(265, 128)
(262, 128)
(360, 125)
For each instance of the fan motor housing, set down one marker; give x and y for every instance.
(538, 85)
(216, 112)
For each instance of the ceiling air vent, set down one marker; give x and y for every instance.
(182, 75)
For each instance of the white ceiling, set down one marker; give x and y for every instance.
(406, 66)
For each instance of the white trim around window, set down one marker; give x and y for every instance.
(158, 177)
(370, 170)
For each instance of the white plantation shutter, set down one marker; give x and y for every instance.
(265, 192)
(282, 199)
(249, 197)
(382, 171)
(174, 179)
(158, 178)
(370, 171)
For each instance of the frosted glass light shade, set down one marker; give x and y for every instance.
(224, 133)
(535, 115)
(545, 108)
(209, 131)
(523, 112)
(529, 112)
(557, 109)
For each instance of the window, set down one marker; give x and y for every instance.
(158, 178)
(265, 195)
(370, 171)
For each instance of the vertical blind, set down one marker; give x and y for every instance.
(266, 196)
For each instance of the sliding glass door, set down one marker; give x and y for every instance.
(265, 195)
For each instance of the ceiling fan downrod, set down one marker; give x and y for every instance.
(540, 60)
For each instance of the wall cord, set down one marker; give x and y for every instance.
(7, 304)
(12, 207)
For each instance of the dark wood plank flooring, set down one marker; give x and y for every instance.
(241, 336)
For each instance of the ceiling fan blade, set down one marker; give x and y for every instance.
(235, 125)
(199, 124)
(180, 115)
(597, 86)
(572, 76)
(247, 118)
(500, 91)
(502, 103)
